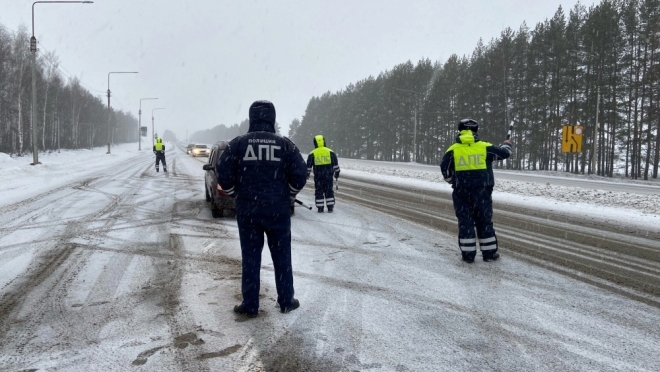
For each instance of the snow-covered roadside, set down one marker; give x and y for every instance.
(618, 206)
(19, 180)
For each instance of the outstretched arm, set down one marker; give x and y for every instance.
(501, 152)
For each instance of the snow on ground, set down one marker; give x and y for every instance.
(19, 180)
(156, 270)
(622, 206)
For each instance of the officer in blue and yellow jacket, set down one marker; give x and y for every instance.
(264, 172)
(467, 165)
(324, 163)
(159, 150)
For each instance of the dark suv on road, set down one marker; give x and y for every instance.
(220, 202)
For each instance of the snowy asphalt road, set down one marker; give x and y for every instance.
(611, 253)
(126, 270)
(601, 183)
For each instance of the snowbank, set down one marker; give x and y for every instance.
(624, 206)
(4, 158)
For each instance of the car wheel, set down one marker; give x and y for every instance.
(215, 211)
(208, 196)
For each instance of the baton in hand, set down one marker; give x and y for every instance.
(303, 204)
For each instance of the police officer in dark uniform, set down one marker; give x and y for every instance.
(159, 150)
(467, 165)
(263, 171)
(324, 163)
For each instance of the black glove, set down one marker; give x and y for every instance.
(308, 173)
(292, 198)
(506, 145)
(336, 175)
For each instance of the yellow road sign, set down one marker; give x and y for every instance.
(571, 138)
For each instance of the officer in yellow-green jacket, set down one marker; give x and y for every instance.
(467, 165)
(323, 162)
(159, 150)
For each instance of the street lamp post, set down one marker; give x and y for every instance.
(33, 50)
(109, 112)
(153, 133)
(140, 123)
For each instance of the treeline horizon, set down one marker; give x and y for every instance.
(223, 132)
(62, 104)
(559, 73)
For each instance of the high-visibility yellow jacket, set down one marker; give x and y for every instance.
(322, 160)
(468, 162)
(159, 147)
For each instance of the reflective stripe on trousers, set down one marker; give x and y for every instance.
(474, 210)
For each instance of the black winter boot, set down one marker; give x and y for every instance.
(330, 208)
(488, 257)
(240, 309)
(294, 305)
(467, 257)
(320, 209)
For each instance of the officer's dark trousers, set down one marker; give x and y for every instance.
(160, 156)
(255, 220)
(323, 192)
(474, 209)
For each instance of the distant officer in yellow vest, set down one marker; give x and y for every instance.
(159, 150)
(467, 165)
(324, 163)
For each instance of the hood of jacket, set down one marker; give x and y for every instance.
(262, 117)
(319, 141)
(467, 136)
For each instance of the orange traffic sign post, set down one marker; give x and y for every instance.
(571, 138)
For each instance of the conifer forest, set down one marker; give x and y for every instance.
(597, 67)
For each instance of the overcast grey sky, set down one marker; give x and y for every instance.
(207, 61)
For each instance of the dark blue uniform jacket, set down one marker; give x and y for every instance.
(261, 166)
